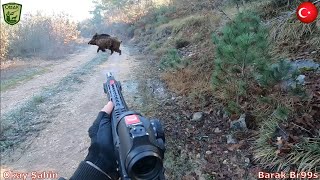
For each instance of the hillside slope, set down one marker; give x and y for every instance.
(280, 110)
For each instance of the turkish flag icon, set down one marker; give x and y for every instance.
(307, 12)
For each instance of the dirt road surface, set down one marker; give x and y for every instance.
(63, 143)
(12, 98)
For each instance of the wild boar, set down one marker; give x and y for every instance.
(105, 41)
(104, 35)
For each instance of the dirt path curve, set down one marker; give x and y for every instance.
(14, 97)
(64, 142)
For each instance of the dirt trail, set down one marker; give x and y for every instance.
(64, 142)
(14, 97)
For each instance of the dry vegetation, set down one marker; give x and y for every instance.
(291, 39)
(4, 43)
(38, 35)
(287, 122)
(190, 60)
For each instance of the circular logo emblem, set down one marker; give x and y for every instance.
(307, 12)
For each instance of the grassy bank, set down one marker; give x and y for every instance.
(215, 53)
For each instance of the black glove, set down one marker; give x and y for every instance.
(101, 151)
(100, 163)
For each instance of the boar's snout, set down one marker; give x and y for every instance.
(92, 42)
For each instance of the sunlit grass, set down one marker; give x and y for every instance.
(22, 78)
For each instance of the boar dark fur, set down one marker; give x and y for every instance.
(105, 41)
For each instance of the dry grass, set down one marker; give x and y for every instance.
(10, 63)
(38, 35)
(195, 77)
(298, 128)
(190, 27)
(291, 38)
(4, 41)
(168, 26)
(304, 156)
(230, 10)
(161, 51)
(193, 21)
(129, 11)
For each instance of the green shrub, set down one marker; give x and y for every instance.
(170, 60)
(162, 19)
(242, 52)
(273, 74)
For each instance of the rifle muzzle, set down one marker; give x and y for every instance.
(109, 74)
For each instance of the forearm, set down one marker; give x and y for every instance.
(87, 170)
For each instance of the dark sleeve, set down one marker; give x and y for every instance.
(86, 172)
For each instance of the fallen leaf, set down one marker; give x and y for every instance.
(235, 146)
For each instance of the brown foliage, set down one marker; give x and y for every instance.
(193, 81)
(4, 41)
(294, 39)
(187, 7)
(131, 11)
(40, 35)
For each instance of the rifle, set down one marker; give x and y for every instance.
(138, 141)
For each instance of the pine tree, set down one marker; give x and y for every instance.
(241, 54)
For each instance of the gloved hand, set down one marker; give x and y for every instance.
(101, 151)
